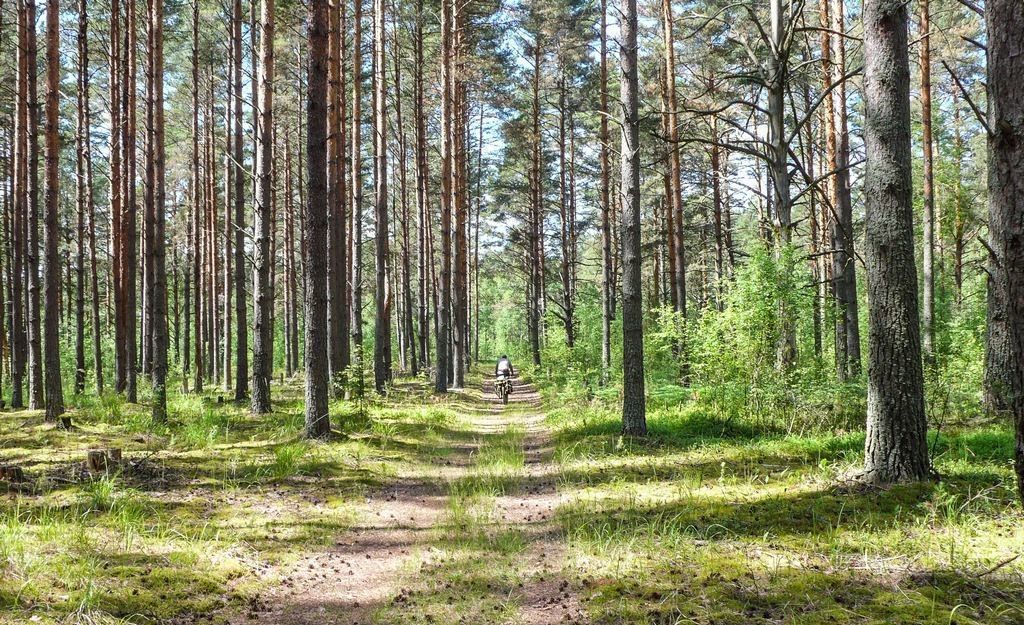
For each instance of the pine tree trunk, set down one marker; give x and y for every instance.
(337, 271)
(844, 265)
(634, 422)
(928, 255)
(129, 237)
(607, 279)
(314, 233)
(356, 216)
(241, 315)
(406, 319)
(1006, 200)
(197, 207)
(536, 285)
(81, 194)
(263, 335)
(422, 183)
(54, 387)
(382, 293)
(116, 199)
(35, 355)
(443, 305)
(457, 132)
(678, 256)
(896, 448)
(158, 250)
(19, 216)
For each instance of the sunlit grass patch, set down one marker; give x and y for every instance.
(199, 506)
(712, 520)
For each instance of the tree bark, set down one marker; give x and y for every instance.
(337, 274)
(382, 294)
(82, 192)
(197, 206)
(315, 227)
(927, 143)
(896, 448)
(422, 186)
(607, 279)
(675, 204)
(444, 305)
(356, 216)
(35, 355)
(158, 212)
(19, 216)
(263, 335)
(54, 386)
(1005, 23)
(536, 240)
(238, 228)
(844, 268)
(634, 422)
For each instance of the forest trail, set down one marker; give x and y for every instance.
(496, 480)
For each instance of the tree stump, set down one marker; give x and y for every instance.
(100, 460)
(95, 461)
(11, 473)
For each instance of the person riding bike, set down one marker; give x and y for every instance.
(504, 368)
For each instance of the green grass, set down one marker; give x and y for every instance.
(717, 517)
(712, 520)
(217, 496)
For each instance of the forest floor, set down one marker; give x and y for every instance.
(423, 509)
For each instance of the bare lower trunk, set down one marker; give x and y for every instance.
(1006, 200)
(634, 420)
(896, 447)
(158, 250)
(382, 295)
(54, 387)
(928, 255)
(263, 296)
(314, 233)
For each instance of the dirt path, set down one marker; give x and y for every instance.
(374, 562)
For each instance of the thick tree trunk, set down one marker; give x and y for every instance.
(896, 447)
(1006, 200)
(54, 387)
(634, 422)
(382, 294)
(263, 335)
(314, 233)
